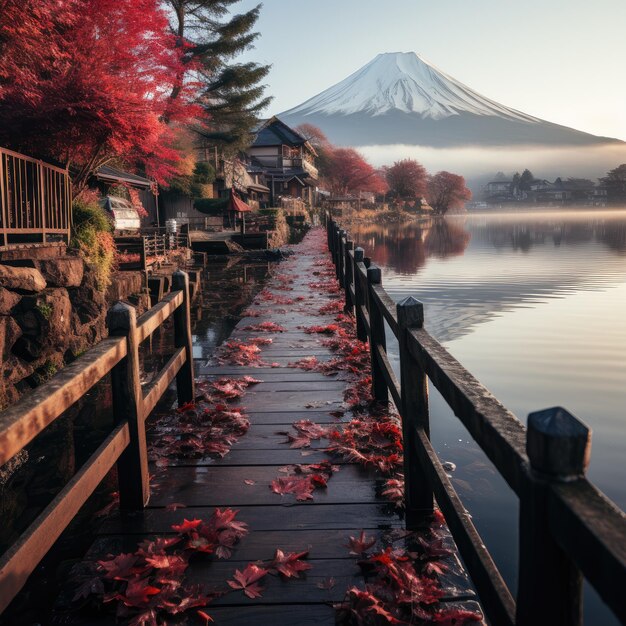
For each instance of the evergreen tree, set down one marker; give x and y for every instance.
(525, 179)
(232, 94)
(615, 183)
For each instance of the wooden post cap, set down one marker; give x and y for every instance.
(367, 262)
(374, 275)
(180, 279)
(359, 254)
(410, 313)
(120, 317)
(558, 444)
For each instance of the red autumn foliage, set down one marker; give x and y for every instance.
(97, 88)
(349, 172)
(303, 480)
(447, 191)
(361, 544)
(406, 179)
(248, 580)
(149, 585)
(288, 565)
(242, 353)
(306, 431)
(207, 427)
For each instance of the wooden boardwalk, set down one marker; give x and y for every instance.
(241, 480)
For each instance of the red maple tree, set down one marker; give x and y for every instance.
(87, 81)
(447, 191)
(406, 179)
(349, 172)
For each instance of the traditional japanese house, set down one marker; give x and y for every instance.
(287, 160)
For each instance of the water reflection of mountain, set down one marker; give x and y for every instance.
(467, 270)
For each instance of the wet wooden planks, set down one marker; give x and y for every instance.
(242, 479)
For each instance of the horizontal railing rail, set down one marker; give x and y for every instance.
(568, 529)
(35, 200)
(126, 444)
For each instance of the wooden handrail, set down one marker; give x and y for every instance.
(568, 529)
(154, 317)
(126, 445)
(22, 422)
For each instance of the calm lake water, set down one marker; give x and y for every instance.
(534, 306)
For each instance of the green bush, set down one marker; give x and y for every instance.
(92, 235)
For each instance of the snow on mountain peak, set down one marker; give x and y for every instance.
(403, 81)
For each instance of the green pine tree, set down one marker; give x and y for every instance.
(233, 93)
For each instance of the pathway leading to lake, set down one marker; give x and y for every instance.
(263, 474)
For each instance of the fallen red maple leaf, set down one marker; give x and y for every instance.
(360, 545)
(289, 565)
(187, 525)
(121, 567)
(247, 580)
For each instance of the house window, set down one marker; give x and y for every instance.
(285, 185)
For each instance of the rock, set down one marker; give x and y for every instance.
(46, 322)
(10, 332)
(15, 370)
(8, 301)
(27, 279)
(63, 272)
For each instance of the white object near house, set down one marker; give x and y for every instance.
(125, 217)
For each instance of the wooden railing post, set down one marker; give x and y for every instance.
(359, 295)
(143, 261)
(349, 277)
(127, 400)
(418, 493)
(337, 238)
(550, 585)
(377, 336)
(341, 257)
(185, 383)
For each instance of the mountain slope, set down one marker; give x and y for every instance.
(401, 98)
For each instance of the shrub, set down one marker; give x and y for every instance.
(45, 309)
(92, 235)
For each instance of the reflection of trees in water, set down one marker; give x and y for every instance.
(447, 238)
(405, 247)
(524, 233)
(614, 236)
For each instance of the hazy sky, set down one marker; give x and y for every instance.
(561, 60)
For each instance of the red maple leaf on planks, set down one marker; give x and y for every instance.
(288, 565)
(247, 580)
(304, 479)
(361, 544)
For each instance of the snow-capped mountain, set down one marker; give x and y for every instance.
(401, 98)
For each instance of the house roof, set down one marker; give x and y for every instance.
(108, 173)
(285, 178)
(274, 132)
(260, 188)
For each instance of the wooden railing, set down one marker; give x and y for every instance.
(144, 251)
(126, 445)
(35, 200)
(568, 529)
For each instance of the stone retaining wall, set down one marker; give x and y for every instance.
(51, 311)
